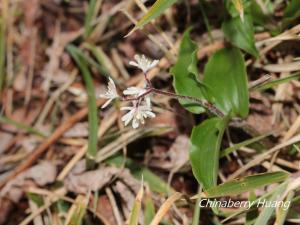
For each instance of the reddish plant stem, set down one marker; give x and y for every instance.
(205, 104)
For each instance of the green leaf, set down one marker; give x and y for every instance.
(136, 209)
(196, 214)
(252, 214)
(225, 74)
(234, 7)
(258, 15)
(246, 184)
(90, 15)
(149, 211)
(92, 107)
(79, 210)
(282, 212)
(22, 126)
(291, 12)
(204, 151)
(156, 9)
(185, 74)
(292, 8)
(267, 212)
(240, 33)
(273, 83)
(235, 147)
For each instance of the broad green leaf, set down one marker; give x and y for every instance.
(240, 33)
(92, 107)
(267, 212)
(156, 9)
(225, 74)
(258, 15)
(291, 12)
(246, 184)
(237, 8)
(185, 74)
(204, 150)
(292, 8)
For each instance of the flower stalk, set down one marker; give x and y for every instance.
(140, 97)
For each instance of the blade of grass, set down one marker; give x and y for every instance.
(282, 212)
(156, 9)
(267, 212)
(92, 107)
(78, 210)
(235, 147)
(246, 184)
(91, 61)
(149, 211)
(276, 82)
(22, 126)
(196, 214)
(90, 15)
(134, 215)
(97, 52)
(253, 213)
(255, 202)
(165, 208)
(206, 21)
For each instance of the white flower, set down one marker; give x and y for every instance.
(143, 63)
(136, 92)
(110, 94)
(137, 114)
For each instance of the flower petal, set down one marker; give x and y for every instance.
(106, 103)
(127, 108)
(133, 63)
(135, 123)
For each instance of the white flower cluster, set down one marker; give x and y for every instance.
(143, 63)
(140, 100)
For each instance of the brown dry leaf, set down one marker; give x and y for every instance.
(78, 130)
(41, 174)
(29, 143)
(5, 207)
(127, 177)
(19, 83)
(166, 118)
(178, 155)
(105, 209)
(179, 151)
(5, 138)
(21, 115)
(261, 122)
(82, 182)
(127, 197)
